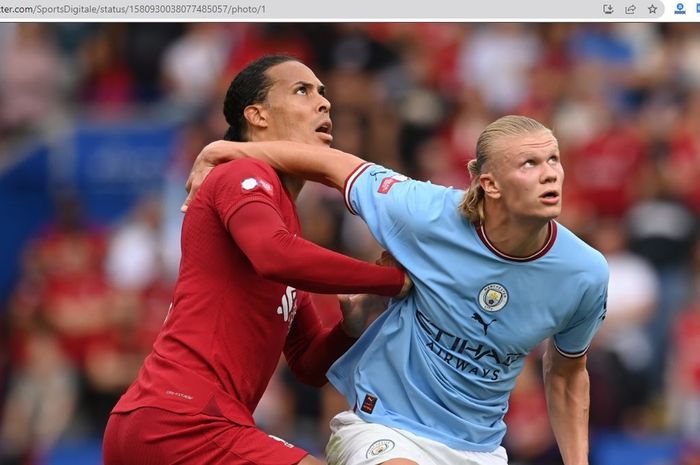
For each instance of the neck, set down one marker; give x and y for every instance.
(515, 236)
(292, 184)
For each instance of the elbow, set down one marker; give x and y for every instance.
(276, 259)
(555, 364)
(563, 371)
(275, 267)
(547, 364)
(269, 271)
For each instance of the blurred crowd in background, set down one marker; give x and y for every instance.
(623, 101)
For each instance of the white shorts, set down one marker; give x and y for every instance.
(353, 441)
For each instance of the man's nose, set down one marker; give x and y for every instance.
(550, 174)
(324, 105)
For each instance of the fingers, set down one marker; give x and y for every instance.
(345, 303)
(380, 260)
(407, 286)
(188, 188)
(191, 189)
(194, 182)
(186, 204)
(359, 310)
(190, 179)
(365, 302)
(386, 259)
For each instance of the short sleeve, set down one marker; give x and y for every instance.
(393, 205)
(574, 340)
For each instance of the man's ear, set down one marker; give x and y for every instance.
(490, 186)
(256, 115)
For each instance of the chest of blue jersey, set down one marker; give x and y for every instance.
(485, 314)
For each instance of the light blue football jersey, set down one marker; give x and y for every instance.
(442, 362)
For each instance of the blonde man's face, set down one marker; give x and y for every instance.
(526, 175)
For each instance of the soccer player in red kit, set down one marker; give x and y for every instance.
(236, 306)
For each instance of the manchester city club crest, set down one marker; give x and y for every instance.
(493, 297)
(379, 447)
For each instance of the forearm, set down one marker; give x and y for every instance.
(310, 362)
(305, 265)
(277, 254)
(315, 163)
(310, 348)
(568, 402)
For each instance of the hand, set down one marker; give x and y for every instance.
(213, 154)
(359, 310)
(386, 259)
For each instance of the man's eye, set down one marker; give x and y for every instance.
(529, 163)
(301, 91)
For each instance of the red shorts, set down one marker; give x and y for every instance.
(151, 436)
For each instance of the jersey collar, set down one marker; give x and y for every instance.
(551, 237)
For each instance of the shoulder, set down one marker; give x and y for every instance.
(373, 186)
(581, 255)
(241, 178)
(243, 167)
(247, 172)
(438, 200)
(420, 192)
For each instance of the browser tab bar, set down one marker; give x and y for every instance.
(357, 10)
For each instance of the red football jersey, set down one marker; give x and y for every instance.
(228, 325)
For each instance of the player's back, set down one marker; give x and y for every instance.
(223, 337)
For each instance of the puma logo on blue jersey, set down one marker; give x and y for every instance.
(481, 321)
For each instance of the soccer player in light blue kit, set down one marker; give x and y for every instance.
(494, 275)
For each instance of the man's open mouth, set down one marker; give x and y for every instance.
(325, 127)
(550, 195)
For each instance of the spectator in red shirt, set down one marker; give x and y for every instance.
(236, 306)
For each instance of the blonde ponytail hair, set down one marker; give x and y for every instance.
(472, 205)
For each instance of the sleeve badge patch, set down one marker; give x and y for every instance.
(387, 183)
(250, 184)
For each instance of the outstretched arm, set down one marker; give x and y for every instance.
(568, 401)
(320, 164)
(279, 255)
